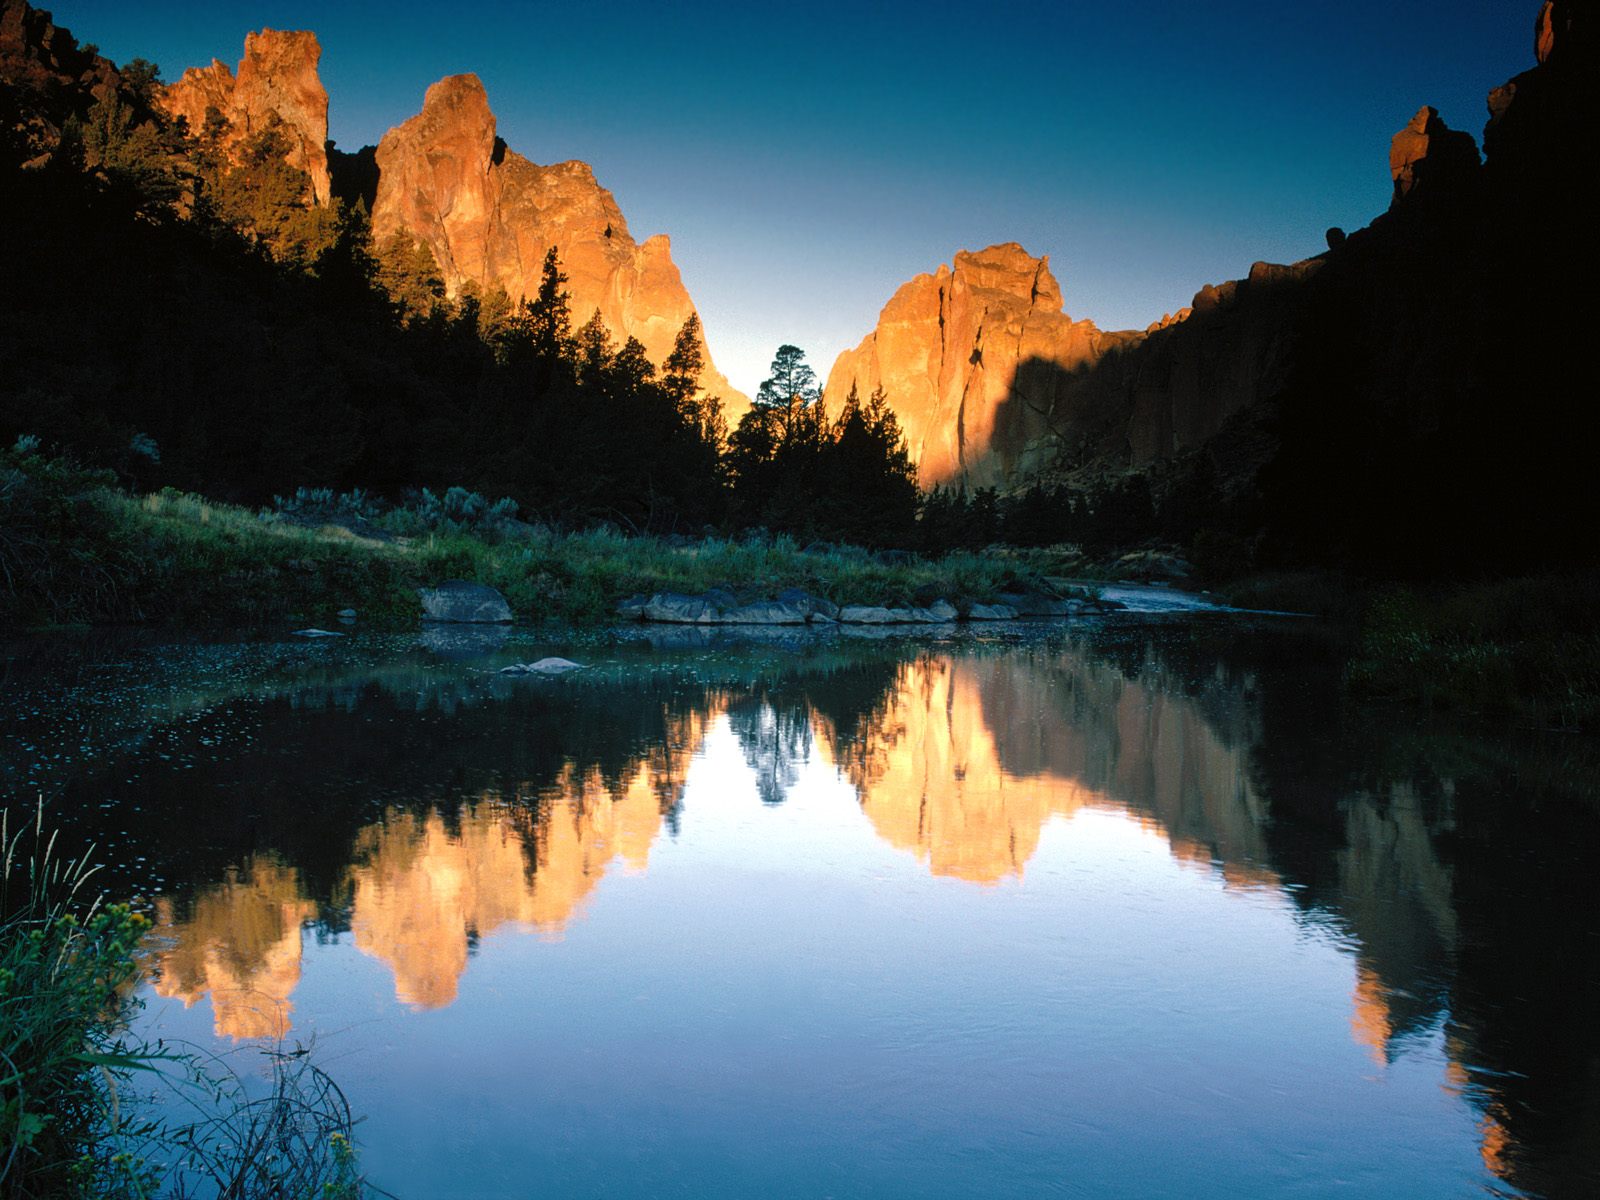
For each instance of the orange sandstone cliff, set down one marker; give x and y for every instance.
(489, 215)
(995, 385)
(277, 75)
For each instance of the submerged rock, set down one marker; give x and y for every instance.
(461, 602)
(545, 666)
(991, 612)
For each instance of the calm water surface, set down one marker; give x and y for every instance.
(1138, 909)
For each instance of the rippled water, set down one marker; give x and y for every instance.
(1136, 909)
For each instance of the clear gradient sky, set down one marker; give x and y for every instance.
(808, 159)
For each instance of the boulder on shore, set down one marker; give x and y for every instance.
(460, 602)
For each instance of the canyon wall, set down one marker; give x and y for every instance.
(489, 215)
(276, 77)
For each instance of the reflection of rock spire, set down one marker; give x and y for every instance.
(929, 774)
(421, 892)
(964, 762)
(241, 944)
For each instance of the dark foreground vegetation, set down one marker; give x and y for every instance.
(75, 549)
(77, 1118)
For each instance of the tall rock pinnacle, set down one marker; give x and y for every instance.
(489, 215)
(278, 74)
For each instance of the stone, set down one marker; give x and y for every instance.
(317, 633)
(458, 601)
(869, 614)
(489, 215)
(346, 614)
(278, 74)
(545, 666)
(632, 608)
(673, 608)
(767, 612)
(991, 612)
(938, 613)
(1428, 155)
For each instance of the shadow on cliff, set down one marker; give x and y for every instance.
(1406, 403)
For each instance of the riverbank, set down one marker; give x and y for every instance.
(1523, 650)
(75, 550)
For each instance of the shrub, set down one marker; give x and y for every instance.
(324, 506)
(71, 1125)
(457, 511)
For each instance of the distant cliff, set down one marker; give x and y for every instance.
(278, 75)
(487, 214)
(1408, 392)
(996, 386)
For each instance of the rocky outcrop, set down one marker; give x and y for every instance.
(1427, 156)
(277, 75)
(45, 77)
(995, 385)
(460, 602)
(950, 352)
(490, 215)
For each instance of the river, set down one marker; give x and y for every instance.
(1137, 907)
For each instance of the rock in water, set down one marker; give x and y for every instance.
(545, 666)
(278, 74)
(489, 215)
(316, 633)
(461, 602)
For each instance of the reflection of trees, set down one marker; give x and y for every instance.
(1454, 867)
(775, 742)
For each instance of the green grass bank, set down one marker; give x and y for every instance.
(75, 550)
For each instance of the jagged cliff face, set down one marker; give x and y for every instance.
(489, 215)
(948, 352)
(278, 74)
(995, 385)
(44, 63)
(239, 944)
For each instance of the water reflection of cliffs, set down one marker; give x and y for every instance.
(437, 824)
(422, 888)
(966, 759)
(239, 942)
(422, 893)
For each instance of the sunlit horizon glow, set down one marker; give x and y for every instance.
(806, 162)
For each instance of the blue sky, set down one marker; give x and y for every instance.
(807, 159)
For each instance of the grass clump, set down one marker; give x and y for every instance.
(73, 1124)
(74, 550)
(1525, 649)
(65, 971)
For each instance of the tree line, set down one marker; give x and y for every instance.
(190, 317)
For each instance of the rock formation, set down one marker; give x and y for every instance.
(949, 348)
(489, 215)
(994, 384)
(1428, 155)
(278, 74)
(44, 63)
